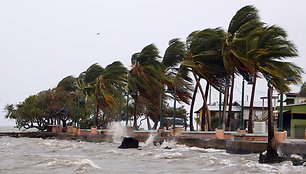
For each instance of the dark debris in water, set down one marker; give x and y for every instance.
(278, 159)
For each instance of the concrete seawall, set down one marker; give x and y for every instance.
(294, 146)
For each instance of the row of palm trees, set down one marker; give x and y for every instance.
(249, 49)
(146, 81)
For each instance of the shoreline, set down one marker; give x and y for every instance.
(232, 146)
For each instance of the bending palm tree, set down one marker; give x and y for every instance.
(265, 47)
(205, 59)
(274, 74)
(144, 77)
(176, 77)
(243, 22)
(103, 84)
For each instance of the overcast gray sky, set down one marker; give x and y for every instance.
(43, 41)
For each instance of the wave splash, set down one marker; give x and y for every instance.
(77, 163)
(118, 131)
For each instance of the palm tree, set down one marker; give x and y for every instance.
(65, 92)
(175, 76)
(242, 23)
(103, 84)
(274, 75)
(205, 59)
(144, 77)
(68, 83)
(219, 47)
(264, 48)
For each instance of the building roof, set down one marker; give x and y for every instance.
(296, 108)
(256, 104)
(237, 106)
(298, 104)
(291, 94)
(216, 108)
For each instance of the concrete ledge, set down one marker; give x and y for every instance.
(202, 143)
(245, 147)
(206, 134)
(30, 134)
(250, 137)
(293, 147)
(241, 131)
(199, 134)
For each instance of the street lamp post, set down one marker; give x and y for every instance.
(281, 114)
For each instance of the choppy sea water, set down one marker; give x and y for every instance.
(30, 155)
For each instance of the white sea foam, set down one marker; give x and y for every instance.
(62, 144)
(91, 163)
(147, 154)
(55, 162)
(118, 132)
(210, 150)
(225, 161)
(149, 141)
(296, 156)
(169, 155)
(168, 144)
(255, 166)
(113, 151)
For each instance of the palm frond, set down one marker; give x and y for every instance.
(242, 16)
(174, 54)
(92, 73)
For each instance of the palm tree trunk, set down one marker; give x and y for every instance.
(207, 114)
(192, 106)
(250, 122)
(225, 103)
(97, 114)
(155, 125)
(148, 123)
(204, 108)
(135, 114)
(271, 146)
(230, 113)
(193, 101)
(204, 98)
